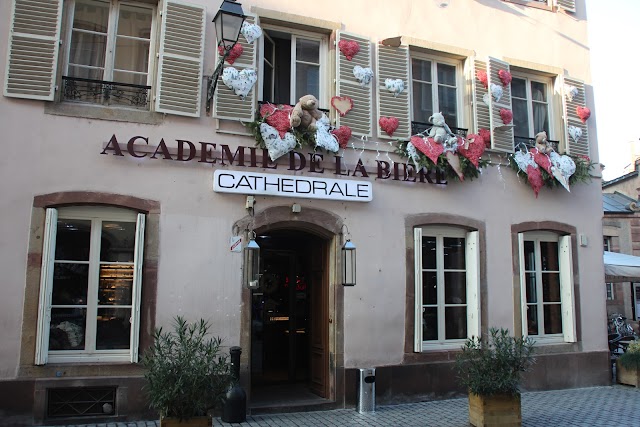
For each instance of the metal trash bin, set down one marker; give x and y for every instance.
(367, 391)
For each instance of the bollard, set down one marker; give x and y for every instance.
(235, 404)
(367, 391)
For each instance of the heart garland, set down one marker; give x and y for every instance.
(395, 86)
(584, 113)
(342, 134)
(277, 117)
(505, 77)
(389, 124)
(349, 48)
(240, 82)
(575, 133)
(482, 76)
(363, 75)
(234, 53)
(474, 150)
(506, 116)
(428, 147)
(277, 146)
(342, 104)
(251, 32)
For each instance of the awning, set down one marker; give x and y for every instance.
(621, 267)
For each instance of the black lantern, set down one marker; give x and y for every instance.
(348, 264)
(228, 22)
(252, 263)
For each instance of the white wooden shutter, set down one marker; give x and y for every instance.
(32, 57)
(360, 117)
(501, 134)
(228, 105)
(473, 283)
(417, 251)
(481, 112)
(523, 286)
(46, 284)
(566, 289)
(393, 63)
(137, 288)
(181, 56)
(581, 147)
(568, 5)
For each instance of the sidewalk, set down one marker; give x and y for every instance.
(592, 407)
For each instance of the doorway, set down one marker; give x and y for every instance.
(289, 311)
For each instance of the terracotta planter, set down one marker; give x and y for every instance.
(191, 422)
(497, 410)
(627, 376)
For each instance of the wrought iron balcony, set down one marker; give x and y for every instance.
(419, 127)
(531, 142)
(104, 92)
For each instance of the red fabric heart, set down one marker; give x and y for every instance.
(584, 113)
(506, 115)
(482, 76)
(535, 179)
(349, 48)
(342, 104)
(342, 134)
(234, 53)
(505, 77)
(541, 159)
(475, 150)
(389, 124)
(486, 136)
(428, 147)
(277, 116)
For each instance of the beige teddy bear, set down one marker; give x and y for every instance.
(305, 113)
(542, 144)
(440, 131)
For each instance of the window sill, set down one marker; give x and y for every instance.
(531, 3)
(100, 112)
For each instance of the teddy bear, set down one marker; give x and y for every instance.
(305, 113)
(542, 144)
(440, 132)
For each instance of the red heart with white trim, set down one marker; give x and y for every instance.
(428, 147)
(277, 116)
(342, 104)
(349, 48)
(475, 150)
(342, 134)
(234, 53)
(389, 124)
(584, 113)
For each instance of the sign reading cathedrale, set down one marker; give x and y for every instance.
(253, 183)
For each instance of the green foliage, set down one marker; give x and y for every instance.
(186, 374)
(493, 366)
(630, 359)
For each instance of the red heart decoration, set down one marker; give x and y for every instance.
(349, 48)
(475, 150)
(389, 124)
(486, 136)
(584, 113)
(506, 115)
(542, 160)
(428, 147)
(482, 76)
(277, 116)
(342, 134)
(342, 104)
(234, 53)
(535, 179)
(505, 77)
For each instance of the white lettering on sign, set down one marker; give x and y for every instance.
(291, 186)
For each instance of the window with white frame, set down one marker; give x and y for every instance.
(436, 88)
(447, 286)
(293, 65)
(610, 295)
(531, 102)
(90, 285)
(606, 243)
(546, 279)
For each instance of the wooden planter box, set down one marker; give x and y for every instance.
(627, 376)
(497, 410)
(191, 422)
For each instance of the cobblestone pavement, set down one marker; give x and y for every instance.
(586, 407)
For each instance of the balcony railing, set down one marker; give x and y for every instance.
(104, 92)
(531, 142)
(419, 127)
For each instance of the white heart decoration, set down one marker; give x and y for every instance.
(276, 146)
(251, 32)
(324, 138)
(240, 82)
(363, 75)
(571, 92)
(486, 99)
(575, 133)
(562, 167)
(395, 86)
(496, 91)
(413, 153)
(524, 159)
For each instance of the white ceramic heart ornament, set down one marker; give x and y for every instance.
(251, 32)
(324, 138)
(363, 75)
(276, 146)
(575, 133)
(395, 86)
(496, 91)
(523, 160)
(240, 82)
(571, 92)
(562, 167)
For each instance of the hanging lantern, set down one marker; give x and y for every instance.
(348, 264)
(252, 263)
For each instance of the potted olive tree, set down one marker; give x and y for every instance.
(186, 373)
(628, 365)
(490, 369)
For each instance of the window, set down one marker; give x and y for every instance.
(610, 295)
(436, 86)
(90, 285)
(546, 286)
(531, 107)
(606, 241)
(293, 65)
(447, 270)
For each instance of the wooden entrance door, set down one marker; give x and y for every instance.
(319, 338)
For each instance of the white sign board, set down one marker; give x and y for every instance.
(235, 244)
(241, 182)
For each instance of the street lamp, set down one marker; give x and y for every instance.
(228, 22)
(348, 262)
(252, 262)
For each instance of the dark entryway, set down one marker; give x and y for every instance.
(289, 320)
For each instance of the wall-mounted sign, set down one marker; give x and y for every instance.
(244, 182)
